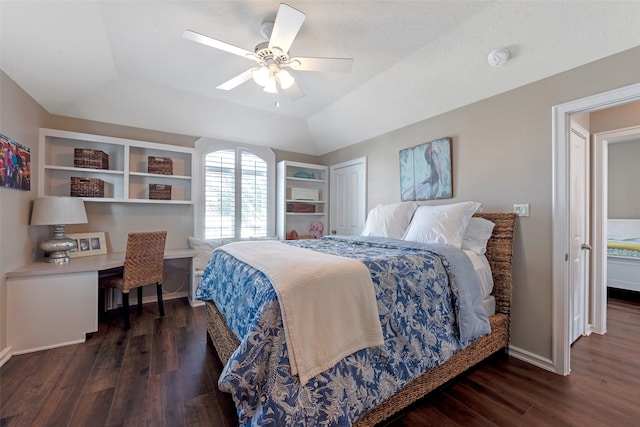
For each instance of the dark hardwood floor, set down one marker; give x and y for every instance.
(162, 372)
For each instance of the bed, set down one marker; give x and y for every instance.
(623, 254)
(382, 397)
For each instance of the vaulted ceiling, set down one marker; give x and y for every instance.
(126, 62)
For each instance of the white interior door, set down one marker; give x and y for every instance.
(348, 197)
(579, 251)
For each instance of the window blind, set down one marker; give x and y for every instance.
(254, 196)
(219, 194)
(236, 195)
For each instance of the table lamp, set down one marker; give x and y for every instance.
(57, 212)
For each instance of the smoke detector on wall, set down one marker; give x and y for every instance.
(498, 57)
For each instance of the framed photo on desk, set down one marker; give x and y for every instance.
(88, 244)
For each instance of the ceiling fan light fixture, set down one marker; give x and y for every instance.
(273, 54)
(261, 75)
(271, 86)
(286, 79)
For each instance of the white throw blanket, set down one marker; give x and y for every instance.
(328, 302)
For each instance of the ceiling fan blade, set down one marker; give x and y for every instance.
(237, 80)
(286, 27)
(294, 92)
(206, 40)
(342, 65)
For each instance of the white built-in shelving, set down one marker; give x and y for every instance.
(302, 195)
(126, 179)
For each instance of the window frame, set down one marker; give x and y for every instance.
(206, 146)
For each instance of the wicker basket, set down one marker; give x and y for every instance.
(94, 159)
(160, 165)
(159, 192)
(87, 187)
(301, 208)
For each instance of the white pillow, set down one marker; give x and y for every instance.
(389, 220)
(477, 235)
(483, 272)
(203, 250)
(444, 224)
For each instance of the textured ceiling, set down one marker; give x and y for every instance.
(125, 62)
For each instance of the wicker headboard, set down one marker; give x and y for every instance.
(500, 254)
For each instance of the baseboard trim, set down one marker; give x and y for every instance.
(50, 346)
(5, 355)
(532, 358)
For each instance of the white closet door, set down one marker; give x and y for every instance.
(348, 197)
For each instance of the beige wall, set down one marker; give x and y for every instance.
(296, 157)
(502, 154)
(20, 119)
(624, 175)
(582, 119)
(623, 159)
(623, 116)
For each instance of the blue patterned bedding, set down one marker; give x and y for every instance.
(425, 294)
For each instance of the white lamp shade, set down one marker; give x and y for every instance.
(58, 211)
(271, 87)
(261, 75)
(286, 79)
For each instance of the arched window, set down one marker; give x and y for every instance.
(237, 191)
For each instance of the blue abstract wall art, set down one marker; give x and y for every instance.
(425, 171)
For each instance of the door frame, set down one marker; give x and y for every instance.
(601, 141)
(560, 122)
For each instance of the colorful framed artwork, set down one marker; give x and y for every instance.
(15, 164)
(88, 244)
(425, 171)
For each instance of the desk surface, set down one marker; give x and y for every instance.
(90, 263)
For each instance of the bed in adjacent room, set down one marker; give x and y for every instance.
(623, 254)
(323, 358)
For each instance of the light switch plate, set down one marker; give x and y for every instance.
(522, 209)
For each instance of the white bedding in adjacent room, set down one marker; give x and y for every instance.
(623, 254)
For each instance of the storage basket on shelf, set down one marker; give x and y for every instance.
(301, 208)
(293, 235)
(295, 193)
(87, 187)
(94, 159)
(159, 192)
(160, 165)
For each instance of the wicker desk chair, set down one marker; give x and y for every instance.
(143, 264)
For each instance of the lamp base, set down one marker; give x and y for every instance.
(57, 249)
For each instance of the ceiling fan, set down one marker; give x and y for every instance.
(273, 57)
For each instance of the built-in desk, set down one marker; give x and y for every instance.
(51, 305)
